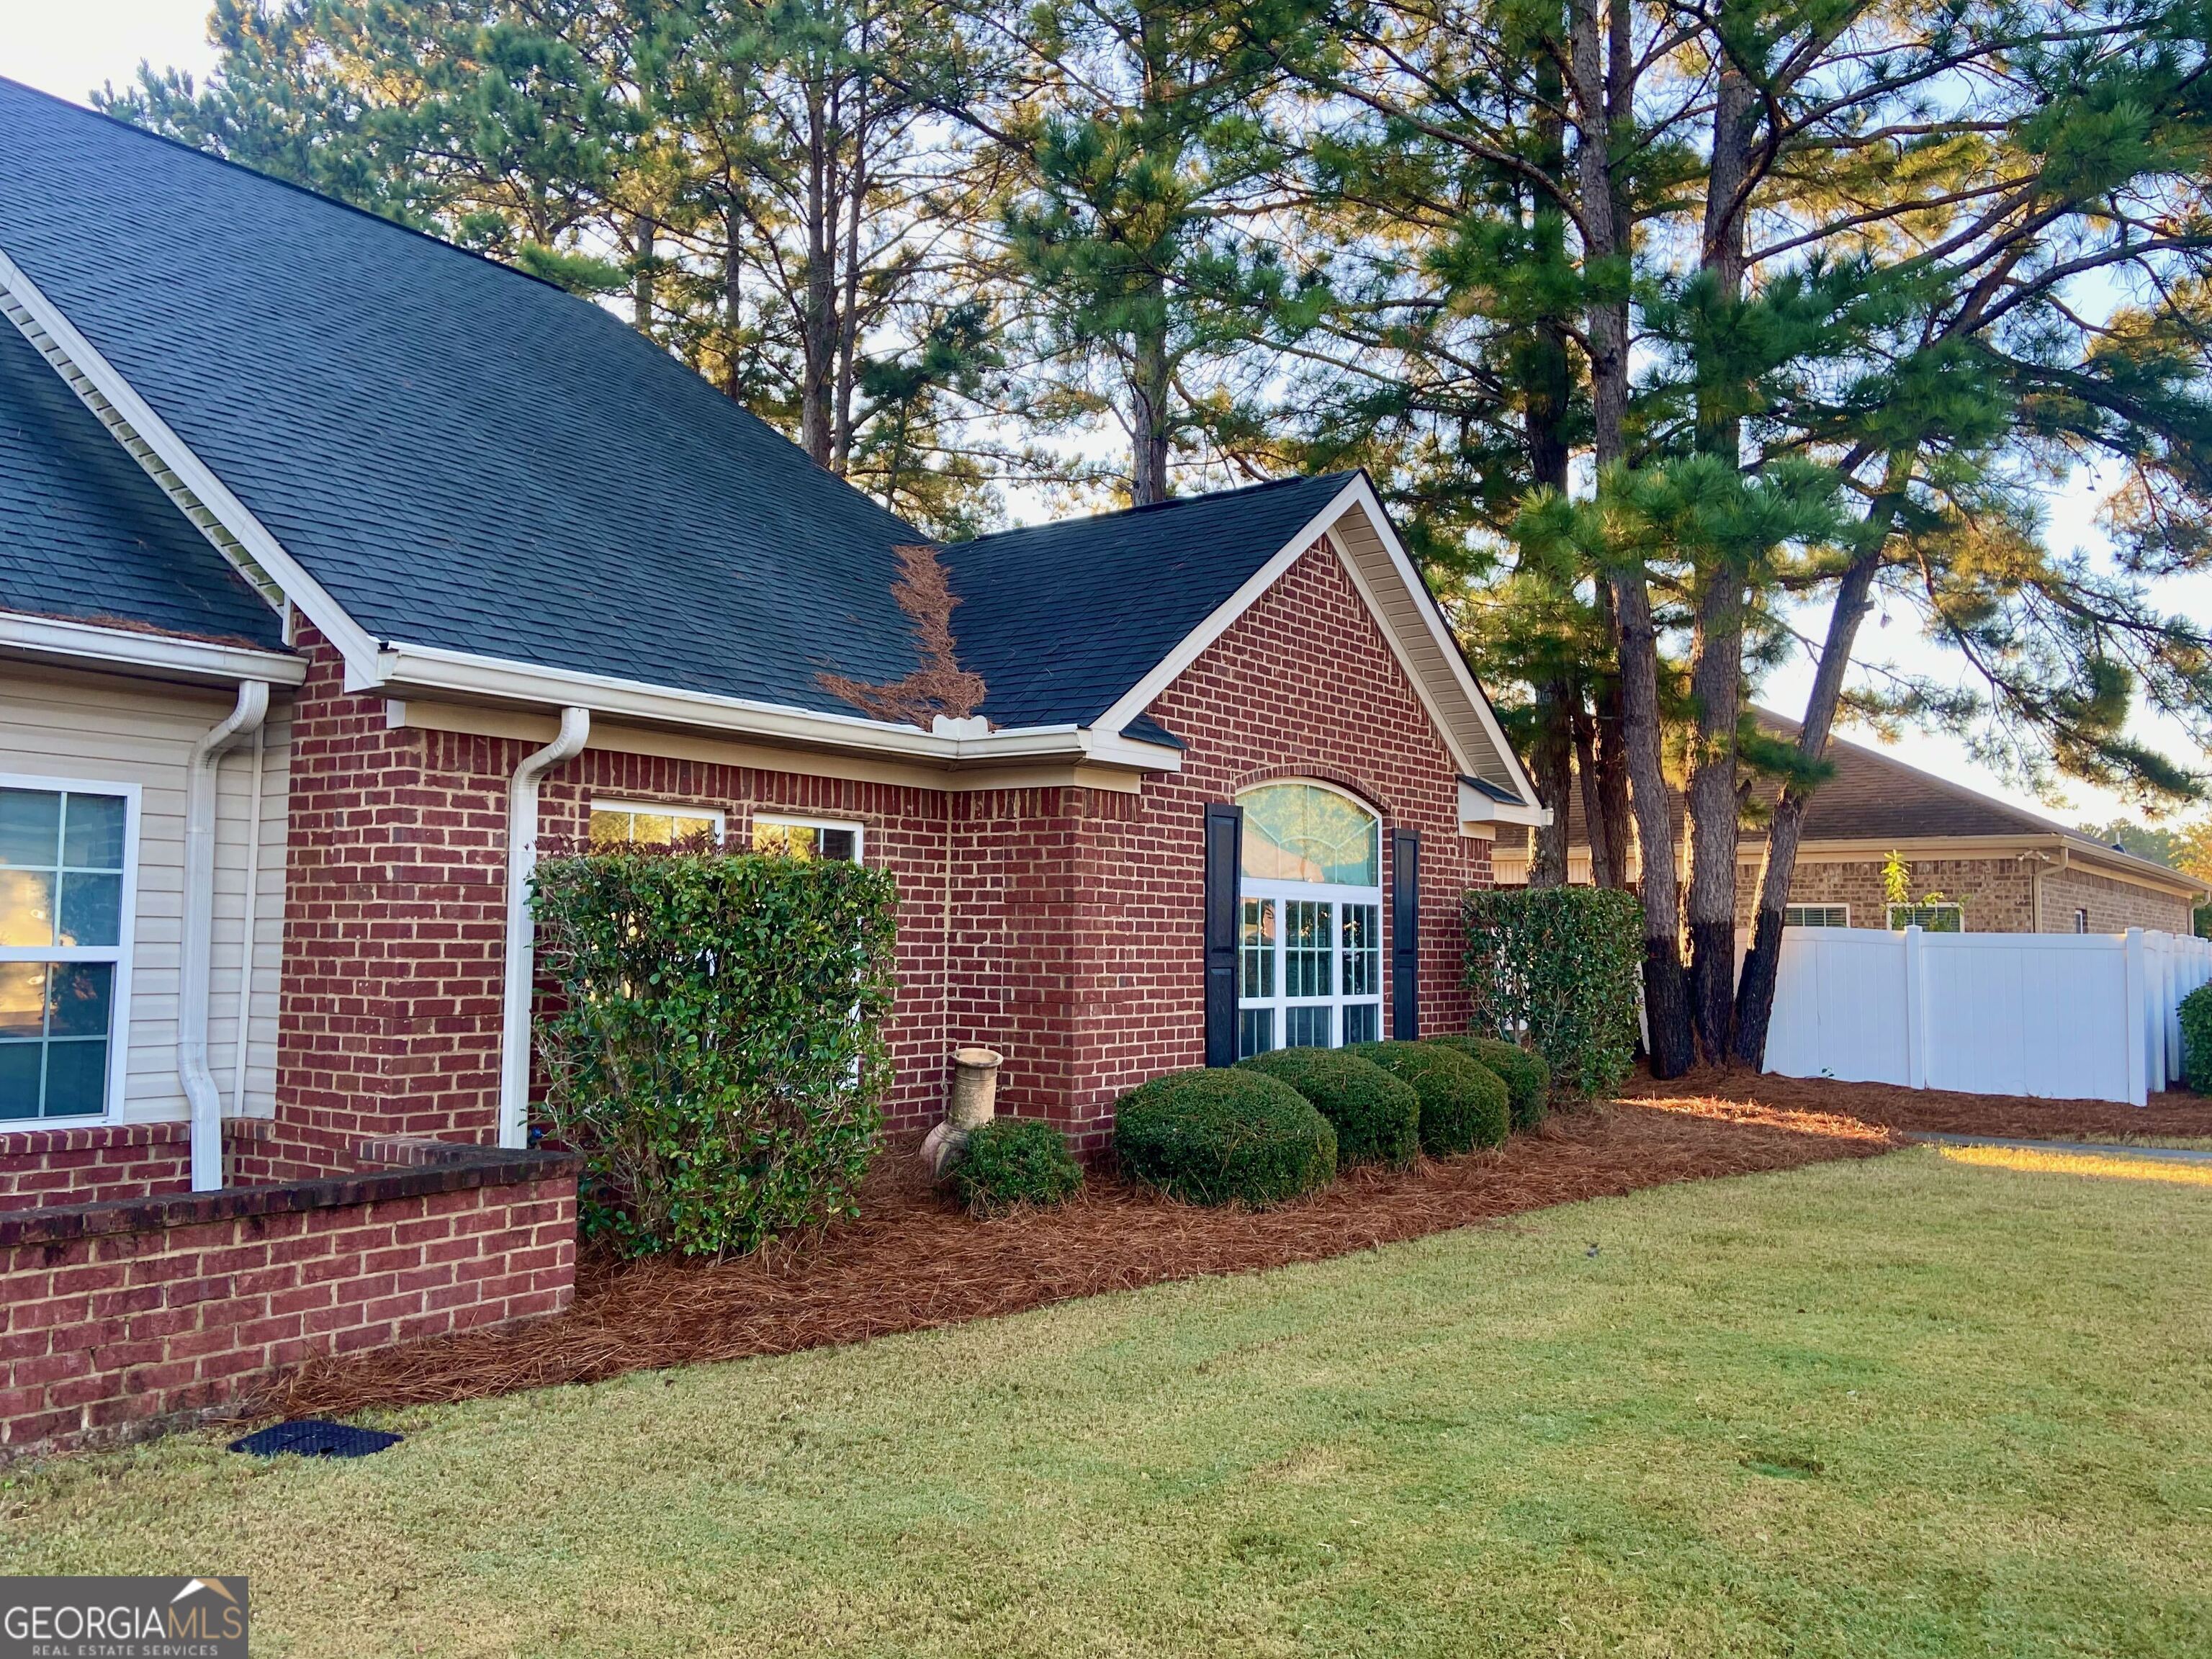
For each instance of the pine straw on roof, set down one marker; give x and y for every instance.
(1939, 1111)
(910, 1260)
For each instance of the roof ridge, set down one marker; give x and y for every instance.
(308, 191)
(1160, 507)
(1956, 790)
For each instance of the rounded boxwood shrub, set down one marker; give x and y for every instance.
(1463, 1103)
(1377, 1118)
(1527, 1079)
(1223, 1137)
(1013, 1161)
(2196, 1039)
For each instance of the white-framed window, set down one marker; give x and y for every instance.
(807, 838)
(69, 895)
(1942, 917)
(2081, 922)
(650, 823)
(1816, 915)
(1310, 944)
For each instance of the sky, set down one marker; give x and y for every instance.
(70, 47)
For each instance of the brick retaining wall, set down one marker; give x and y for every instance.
(123, 1318)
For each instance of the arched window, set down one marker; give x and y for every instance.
(1309, 945)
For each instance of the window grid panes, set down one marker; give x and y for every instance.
(622, 825)
(62, 868)
(789, 838)
(1816, 915)
(1307, 955)
(1928, 918)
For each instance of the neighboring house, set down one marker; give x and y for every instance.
(340, 568)
(1998, 869)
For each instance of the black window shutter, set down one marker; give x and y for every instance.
(1224, 839)
(1406, 934)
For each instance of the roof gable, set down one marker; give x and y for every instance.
(1062, 619)
(86, 535)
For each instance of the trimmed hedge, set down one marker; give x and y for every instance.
(1528, 1080)
(1010, 1162)
(1563, 965)
(715, 1051)
(1464, 1104)
(2196, 1039)
(1378, 1119)
(1224, 1136)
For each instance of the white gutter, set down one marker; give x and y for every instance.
(199, 942)
(522, 924)
(402, 670)
(79, 644)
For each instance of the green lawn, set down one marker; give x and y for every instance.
(1907, 1407)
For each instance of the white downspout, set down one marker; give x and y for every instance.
(522, 925)
(246, 932)
(198, 942)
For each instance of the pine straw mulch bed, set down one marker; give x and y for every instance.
(1936, 1111)
(911, 1260)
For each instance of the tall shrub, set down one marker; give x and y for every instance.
(716, 1054)
(1562, 964)
(2196, 1039)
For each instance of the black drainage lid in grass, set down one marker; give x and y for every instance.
(310, 1437)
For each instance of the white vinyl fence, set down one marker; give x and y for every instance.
(2066, 1016)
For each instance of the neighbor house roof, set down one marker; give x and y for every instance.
(1875, 799)
(85, 535)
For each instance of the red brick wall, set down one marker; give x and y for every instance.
(1303, 684)
(1071, 941)
(128, 1318)
(100, 1162)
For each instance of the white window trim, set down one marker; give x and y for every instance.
(1915, 904)
(1845, 909)
(661, 808)
(120, 953)
(798, 821)
(1334, 894)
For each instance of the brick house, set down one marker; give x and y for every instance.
(1999, 869)
(341, 569)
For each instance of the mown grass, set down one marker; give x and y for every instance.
(1914, 1407)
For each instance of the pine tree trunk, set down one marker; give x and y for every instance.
(1666, 1003)
(1149, 419)
(1762, 965)
(1593, 826)
(817, 331)
(1612, 807)
(1553, 776)
(1717, 650)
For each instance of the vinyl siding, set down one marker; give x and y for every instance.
(114, 729)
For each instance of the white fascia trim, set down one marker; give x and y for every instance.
(1476, 807)
(1146, 691)
(398, 669)
(1357, 491)
(79, 642)
(1440, 630)
(191, 473)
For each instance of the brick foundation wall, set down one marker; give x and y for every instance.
(94, 1165)
(1061, 926)
(120, 1319)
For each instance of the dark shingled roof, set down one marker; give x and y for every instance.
(1062, 619)
(464, 457)
(85, 534)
